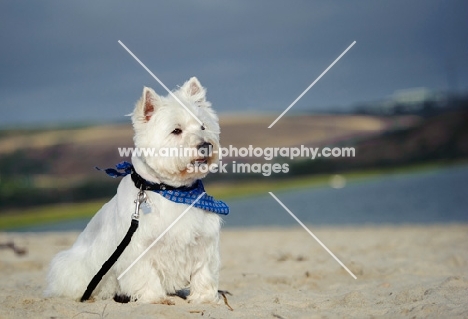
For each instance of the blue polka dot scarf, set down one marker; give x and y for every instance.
(181, 195)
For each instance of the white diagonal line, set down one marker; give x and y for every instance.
(311, 234)
(310, 86)
(160, 236)
(159, 81)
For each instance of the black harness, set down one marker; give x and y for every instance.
(142, 184)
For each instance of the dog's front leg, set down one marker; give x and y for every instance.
(204, 278)
(142, 284)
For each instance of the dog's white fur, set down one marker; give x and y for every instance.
(188, 254)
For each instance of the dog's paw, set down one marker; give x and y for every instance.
(151, 297)
(199, 298)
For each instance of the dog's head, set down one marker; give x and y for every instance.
(162, 125)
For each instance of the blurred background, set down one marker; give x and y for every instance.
(399, 97)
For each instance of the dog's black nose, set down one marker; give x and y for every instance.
(205, 148)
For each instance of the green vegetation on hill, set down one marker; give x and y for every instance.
(47, 214)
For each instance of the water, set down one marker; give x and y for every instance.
(432, 197)
(439, 196)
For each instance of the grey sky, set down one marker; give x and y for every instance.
(60, 60)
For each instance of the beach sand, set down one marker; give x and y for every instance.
(402, 272)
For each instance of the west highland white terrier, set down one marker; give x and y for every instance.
(187, 256)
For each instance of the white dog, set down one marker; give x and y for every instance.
(188, 254)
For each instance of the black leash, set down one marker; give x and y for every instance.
(120, 249)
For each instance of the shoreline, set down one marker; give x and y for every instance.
(63, 212)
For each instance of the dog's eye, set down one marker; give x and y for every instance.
(176, 131)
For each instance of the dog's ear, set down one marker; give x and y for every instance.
(147, 105)
(194, 90)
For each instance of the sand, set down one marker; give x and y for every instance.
(402, 272)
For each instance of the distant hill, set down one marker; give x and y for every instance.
(443, 137)
(57, 165)
(75, 152)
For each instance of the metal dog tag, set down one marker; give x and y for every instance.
(145, 208)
